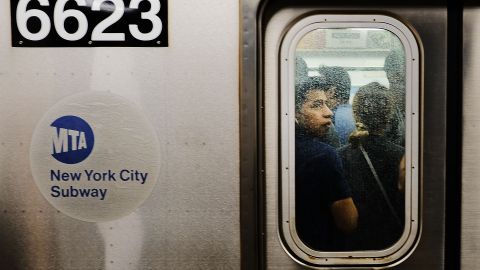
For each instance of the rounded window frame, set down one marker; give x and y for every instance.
(288, 235)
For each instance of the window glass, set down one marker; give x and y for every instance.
(350, 139)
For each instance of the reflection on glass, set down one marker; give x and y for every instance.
(349, 139)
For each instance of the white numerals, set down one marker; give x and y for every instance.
(60, 15)
(99, 32)
(117, 14)
(23, 15)
(150, 15)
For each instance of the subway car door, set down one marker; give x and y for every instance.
(348, 108)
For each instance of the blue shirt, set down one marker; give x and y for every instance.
(344, 122)
(319, 182)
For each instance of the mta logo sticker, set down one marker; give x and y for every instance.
(72, 139)
(95, 156)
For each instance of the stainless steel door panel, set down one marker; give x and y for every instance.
(470, 252)
(189, 91)
(431, 24)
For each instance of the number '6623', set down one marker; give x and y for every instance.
(61, 14)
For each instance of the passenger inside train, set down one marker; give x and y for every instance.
(350, 139)
(324, 208)
(338, 80)
(371, 165)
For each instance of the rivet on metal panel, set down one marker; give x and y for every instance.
(20, 42)
(90, 42)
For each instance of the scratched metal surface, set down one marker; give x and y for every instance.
(470, 258)
(431, 25)
(189, 92)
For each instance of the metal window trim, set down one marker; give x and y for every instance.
(289, 237)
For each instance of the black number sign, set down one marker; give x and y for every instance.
(89, 23)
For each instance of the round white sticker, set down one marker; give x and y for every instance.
(95, 156)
